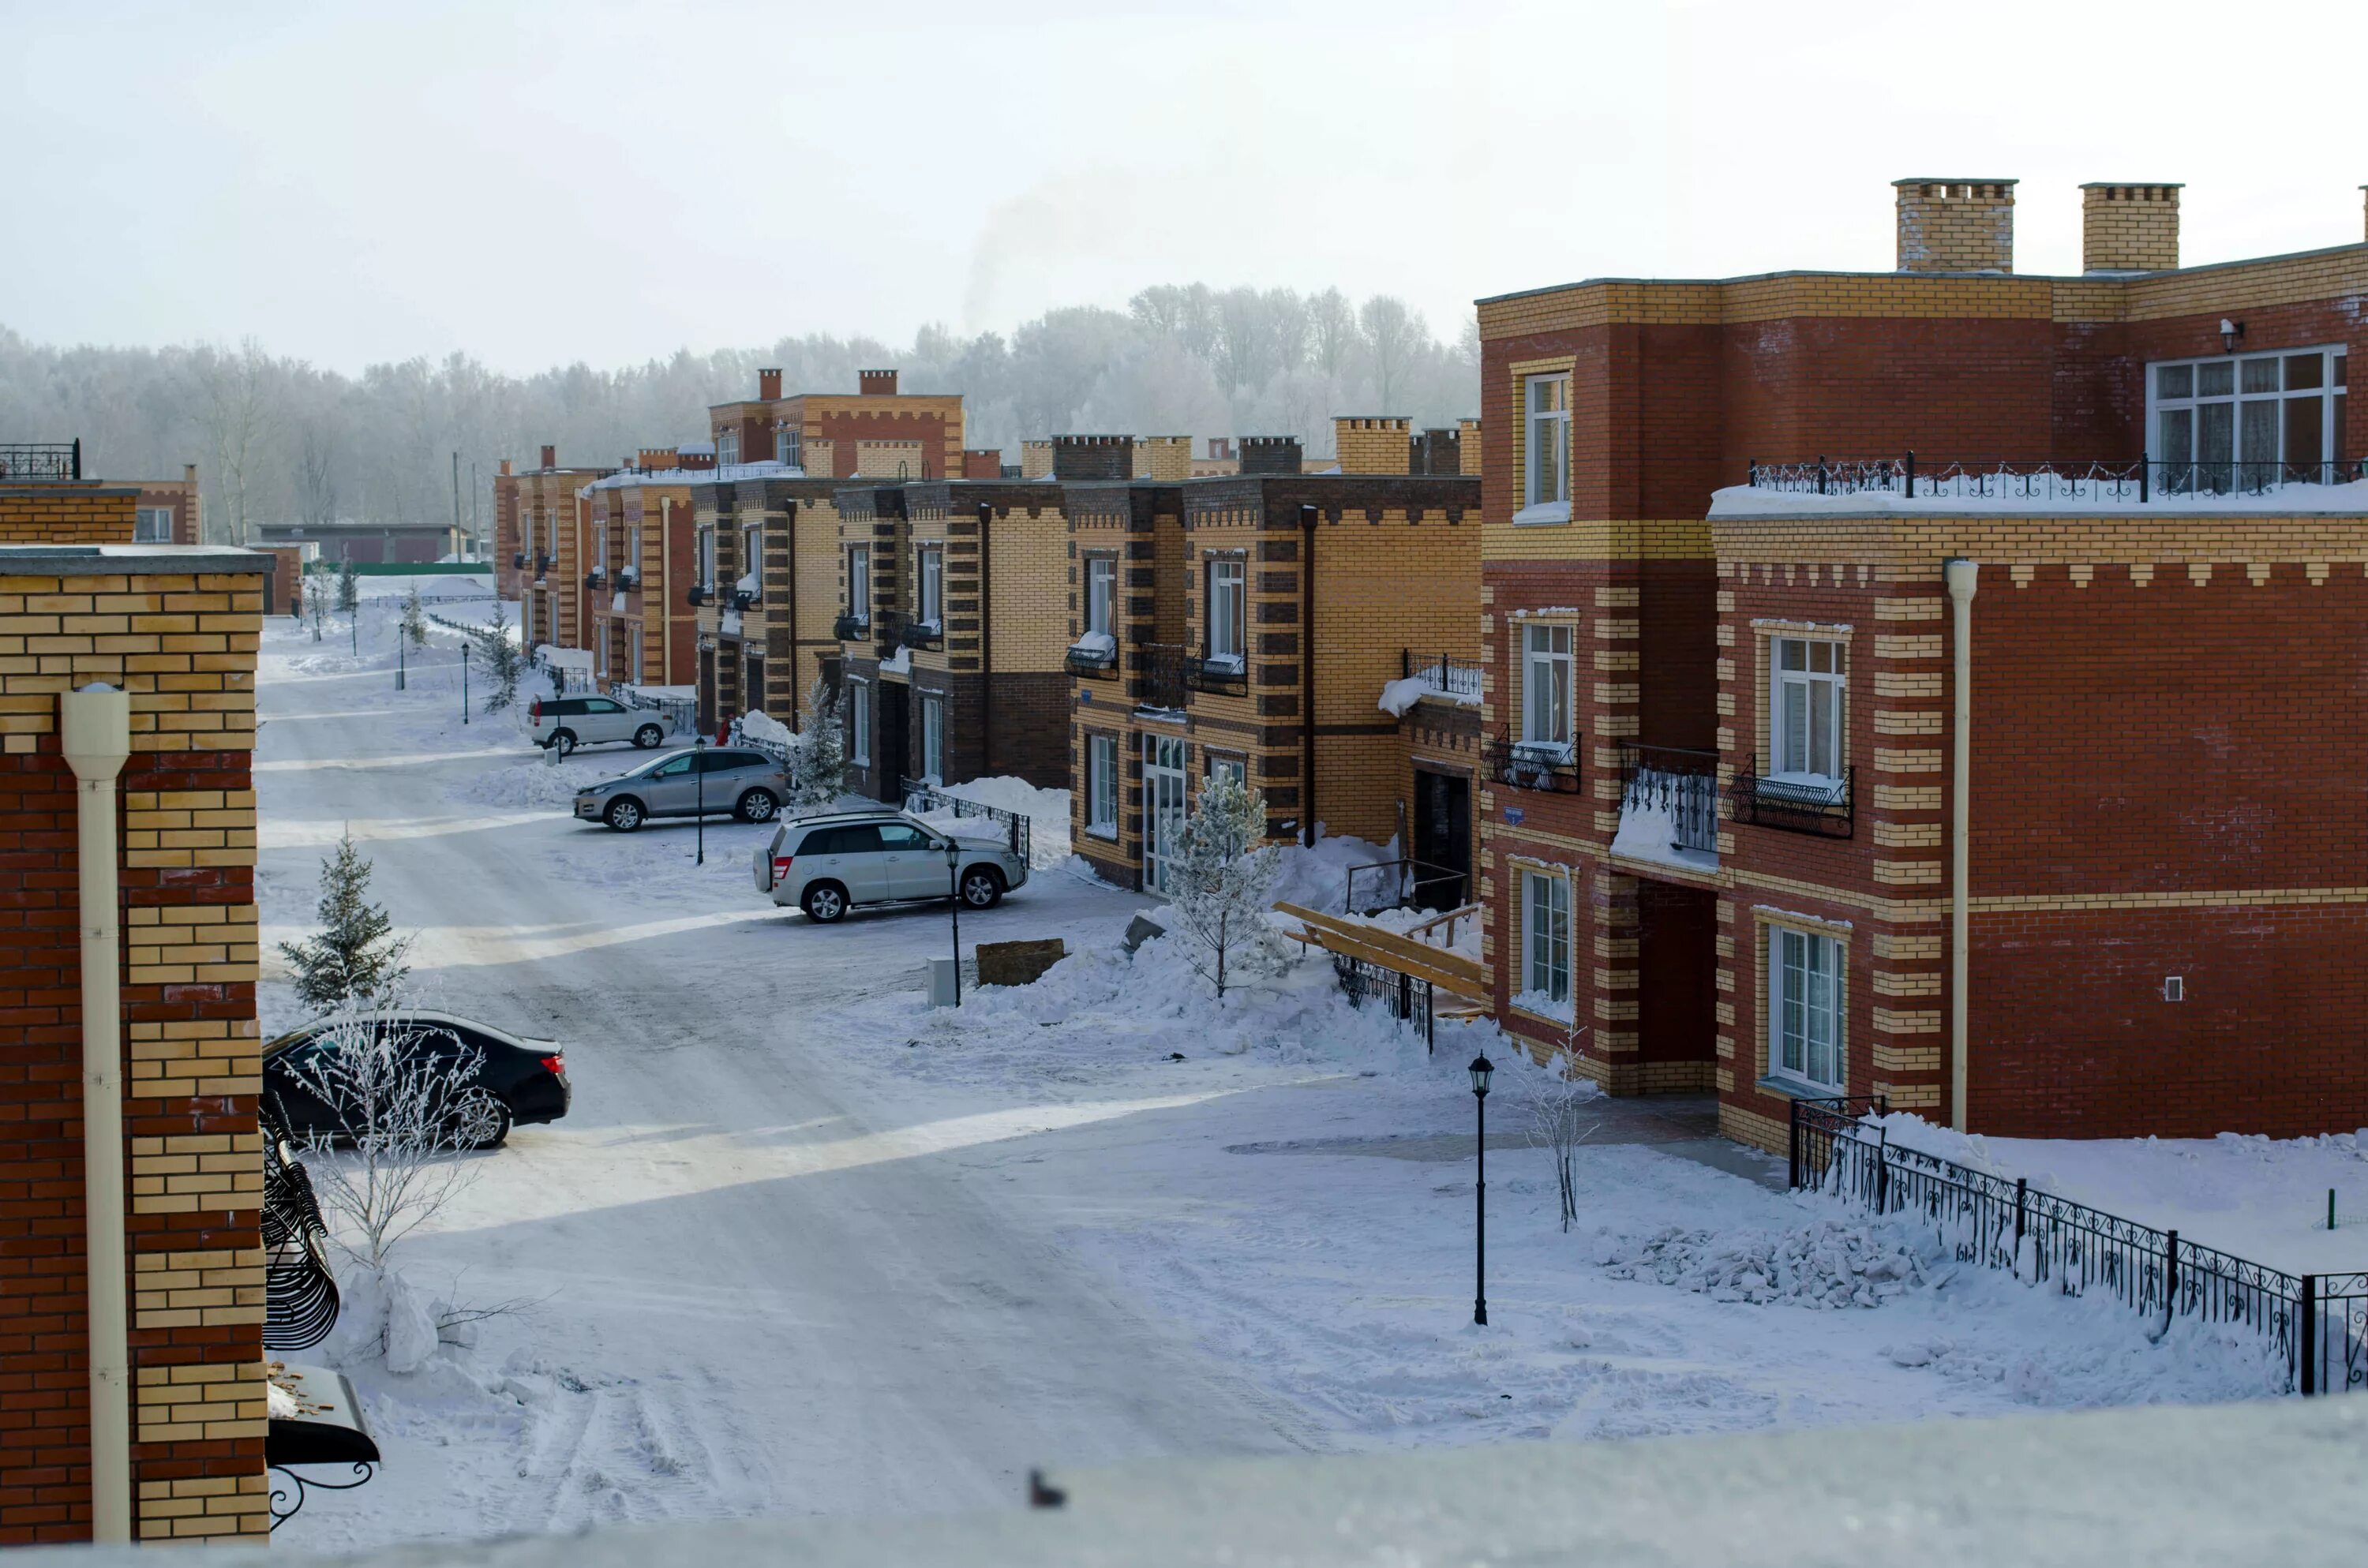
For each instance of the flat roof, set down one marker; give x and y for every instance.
(146, 560)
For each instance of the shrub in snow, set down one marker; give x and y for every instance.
(349, 591)
(505, 666)
(415, 617)
(818, 755)
(355, 954)
(316, 605)
(1221, 880)
(1561, 1105)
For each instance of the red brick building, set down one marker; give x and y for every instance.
(1722, 828)
(878, 432)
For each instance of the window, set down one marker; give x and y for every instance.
(752, 551)
(1232, 767)
(859, 725)
(707, 558)
(2248, 422)
(1807, 728)
(599, 662)
(1101, 786)
(153, 525)
(1226, 611)
(933, 585)
(633, 562)
(1547, 480)
(1546, 690)
(634, 642)
(861, 839)
(727, 446)
(1101, 585)
(1804, 1007)
(903, 836)
(600, 548)
(933, 740)
(785, 445)
(1162, 808)
(1545, 942)
(858, 582)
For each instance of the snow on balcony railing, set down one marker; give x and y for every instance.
(1874, 484)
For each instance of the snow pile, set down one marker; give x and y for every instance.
(1095, 642)
(765, 730)
(1318, 878)
(526, 786)
(1648, 830)
(1400, 696)
(431, 584)
(1829, 1264)
(1545, 1005)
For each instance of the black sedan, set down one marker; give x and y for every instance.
(513, 1079)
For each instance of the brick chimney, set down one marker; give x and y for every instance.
(1372, 443)
(982, 462)
(1093, 457)
(505, 468)
(1955, 225)
(1270, 454)
(551, 457)
(1467, 442)
(769, 386)
(2129, 228)
(1438, 453)
(876, 383)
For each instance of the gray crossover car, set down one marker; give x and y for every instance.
(748, 784)
(825, 864)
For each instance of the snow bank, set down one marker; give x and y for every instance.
(1399, 697)
(1833, 1262)
(1648, 830)
(431, 584)
(1318, 878)
(530, 786)
(766, 730)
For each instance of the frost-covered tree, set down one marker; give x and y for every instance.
(1222, 875)
(316, 603)
(349, 590)
(355, 954)
(415, 617)
(818, 758)
(505, 666)
(1561, 1105)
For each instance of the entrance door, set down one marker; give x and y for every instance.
(1442, 839)
(707, 694)
(895, 720)
(1163, 807)
(755, 686)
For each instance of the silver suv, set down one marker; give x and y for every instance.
(748, 784)
(567, 723)
(825, 864)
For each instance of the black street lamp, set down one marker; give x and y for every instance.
(1481, 1069)
(953, 885)
(465, 683)
(402, 661)
(699, 776)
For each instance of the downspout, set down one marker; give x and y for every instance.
(665, 588)
(1960, 574)
(95, 730)
(1306, 675)
(985, 642)
(795, 694)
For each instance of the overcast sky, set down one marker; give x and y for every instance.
(537, 183)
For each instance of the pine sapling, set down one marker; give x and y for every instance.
(349, 590)
(316, 605)
(503, 666)
(415, 617)
(818, 755)
(355, 954)
(1222, 877)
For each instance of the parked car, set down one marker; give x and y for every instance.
(825, 865)
(515, 1079)
(567, 723)
(749, 784)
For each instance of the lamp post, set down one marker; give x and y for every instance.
(953, 885)
(1481, 1069)
(465, 683)
(402, 663)
(698, 777)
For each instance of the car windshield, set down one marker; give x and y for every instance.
(654, 763)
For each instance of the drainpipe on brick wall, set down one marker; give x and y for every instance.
(666, 592)
(985, 642)
(1306, 674)
(94, 729)
(1960, 574)
(796, 675)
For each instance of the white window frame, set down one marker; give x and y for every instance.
(1806, 1004)
(600, 547)
(783, 436)
(859, 726)
(707, 558)
(930, 602)
(752, 551)
(1225, 584)
(1165, 759)
(1234, 768)
(1546, 964)
(1101, 594)
(153, 525)
(858, 582)
(727, 446)
(633, 644)
(1101, 786)
(2244, 467)
(1824, 692)
(1545, 454)
(933, 738)
(1559, 684)
(633, 562)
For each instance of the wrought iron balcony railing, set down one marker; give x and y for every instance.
(629, 581)
(697, 594)
(518, 561)
(2139, 480)
(1157, 669)
(744, 598)
(597, 579)
(852, 627)
(922, 634)
(542, 566)
(1794, 802)
(1226, 673)
(1680, 782)
(1549, 766)
(1093, 663)
(1456, 677)
(40, 462)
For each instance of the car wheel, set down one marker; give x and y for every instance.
(565, 740)
(754, 806)
(824, 902)
(481, 1120)
(648, 736)
(981, 887)
(624, 815)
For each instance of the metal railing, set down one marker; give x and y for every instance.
(1682, 782)
(40, 462)
(596, 579)
(697, 594)
(1225, 673)
(1159, 675)
(1085, 662)
(852, 627)
(1457, 677)
(299, 1293)
(922, 634)
(923, 797)
(542, 566)
(1548, 765)
(2318, 1322)
(681, 713)
(1826, 808)
(2140, 480)
(1404, 884)
(1402, 996)
(629, 580)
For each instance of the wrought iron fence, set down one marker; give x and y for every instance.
(1402, 996)
(1226, 673)
(40, 462)
(1457, 677)
(299, 1293)
(1404, 884)
(921, 633)
(1682, 782)
(1018, 830)
(2318, 1323)
(1093, 663)
(1826, 808)
(679, 712)
(852, 627)
(2140, 480)
(1549, 766)
(1159, 675)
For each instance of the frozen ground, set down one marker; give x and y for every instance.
(804, 1246)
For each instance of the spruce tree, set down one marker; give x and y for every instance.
(415, 617)
(350, 590)
(818, 756)
(355, 955)
(503, 666)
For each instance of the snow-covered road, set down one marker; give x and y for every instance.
(759, 1299)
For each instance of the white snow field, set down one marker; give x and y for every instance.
(804, 1246)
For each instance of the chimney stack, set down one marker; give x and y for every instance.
(2129, 228)
(1467, 445)
(769, 386)
(505, 468)
(877, 384)
(551, 457)
(1956, 224)
(1093, 457)
(1270, 454)
(1370, 443)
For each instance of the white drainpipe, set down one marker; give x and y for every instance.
(1960, 574)
(95, 725)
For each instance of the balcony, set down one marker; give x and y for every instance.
(922, 634)
(852, 627)
(1223, 672)
(1550, 766)
(542, 566)
(2142, 480)
(1794, 802)
(742, 599)
(45, 463)
(518, 561)
(596, 579)
(1669, 805)
(1094, 655)
(698, 594)
(1159, 677)
(1458, 680)
(629, 581)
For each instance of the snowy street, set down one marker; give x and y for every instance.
(803, 1245)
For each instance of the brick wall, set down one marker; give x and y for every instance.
(60, 513)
